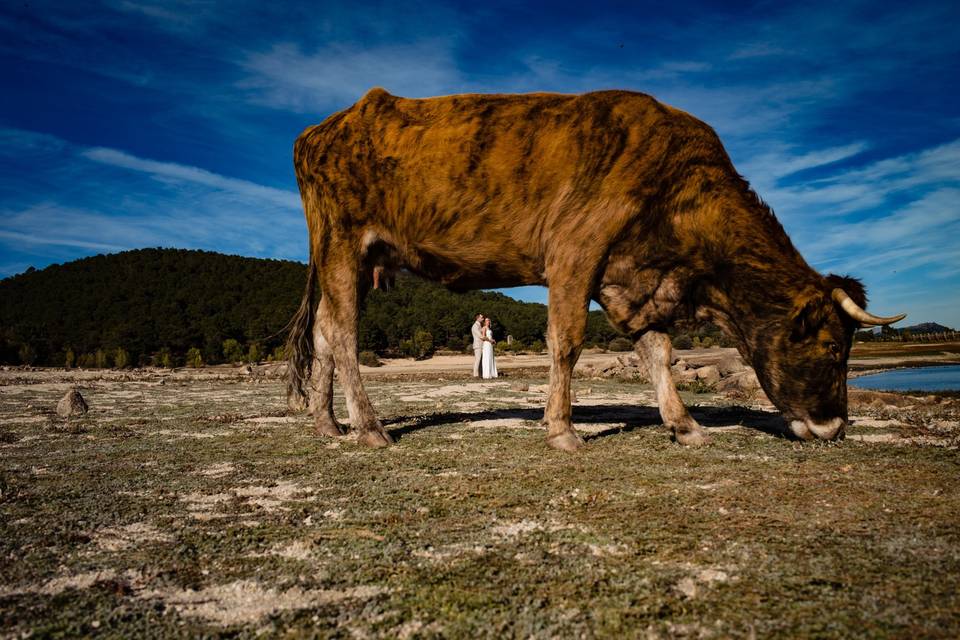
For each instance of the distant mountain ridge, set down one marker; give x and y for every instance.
(158, 304)
(927, 327)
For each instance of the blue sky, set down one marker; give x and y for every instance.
(129, 123)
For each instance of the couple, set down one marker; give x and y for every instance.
(484, 364)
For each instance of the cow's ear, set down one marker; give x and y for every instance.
(809, 312)
(852, 286)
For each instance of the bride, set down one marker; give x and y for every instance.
(489, 363)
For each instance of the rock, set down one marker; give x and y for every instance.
(710, 375)
(744, 384)
(632, 373)
(680, 365)
(72, 404)
(520, 386)
(729, 365)
(687, 375)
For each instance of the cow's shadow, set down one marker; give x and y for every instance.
(631, 417)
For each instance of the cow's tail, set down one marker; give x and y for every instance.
(300, 343)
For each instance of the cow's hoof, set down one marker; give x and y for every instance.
(329, 427)
(375, 439)
(566, 441)
(696, 438)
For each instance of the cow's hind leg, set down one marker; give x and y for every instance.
(566, 327)
(654, 347)
(337, 317)
(321, 386)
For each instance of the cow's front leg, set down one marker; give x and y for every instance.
(320, 402)
(566, 327)
(338, 316)
(654, 347)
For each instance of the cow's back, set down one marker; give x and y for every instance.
(506, 175)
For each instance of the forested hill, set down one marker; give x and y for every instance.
(159, 305)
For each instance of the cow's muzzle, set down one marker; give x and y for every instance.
(807, 429)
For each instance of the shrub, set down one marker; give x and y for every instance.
(370, 359)
(513, 347)
(162, 358)
(194, 358)
(537, 346)
(121, 358)
(406, 348)
(422, 344)
(69, 358)
(683, 341)
(620, 344)
(100, 359)
(278, 354)
(232, 352)
(254, 354)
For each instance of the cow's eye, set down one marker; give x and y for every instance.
(833, 348)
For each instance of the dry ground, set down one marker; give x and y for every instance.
(196, 504)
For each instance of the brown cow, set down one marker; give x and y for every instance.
(610, 196)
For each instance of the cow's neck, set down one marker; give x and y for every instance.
(754, 286)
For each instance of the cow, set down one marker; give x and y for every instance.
(608, 196)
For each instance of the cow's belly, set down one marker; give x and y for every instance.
(475, 267)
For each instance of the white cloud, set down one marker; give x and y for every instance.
(15, 143)
(285, 76)
(196, 175)
(118, 201)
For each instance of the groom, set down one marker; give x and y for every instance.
(477, 344)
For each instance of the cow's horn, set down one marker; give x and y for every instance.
(857, 313)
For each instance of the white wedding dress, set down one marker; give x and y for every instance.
(488, 361)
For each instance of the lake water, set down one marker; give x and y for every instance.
(920, 379)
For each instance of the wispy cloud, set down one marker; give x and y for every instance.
(184, 173)
(338, 74)
(848, 191)
(120, 201)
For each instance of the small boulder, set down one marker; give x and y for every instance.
(520, 386)
(709, 375)
(629, 360)
(632, 373)
(729, 365)
(686, 375)
(744, 383)
(72, 404)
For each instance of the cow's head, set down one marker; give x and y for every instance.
(803, 365)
